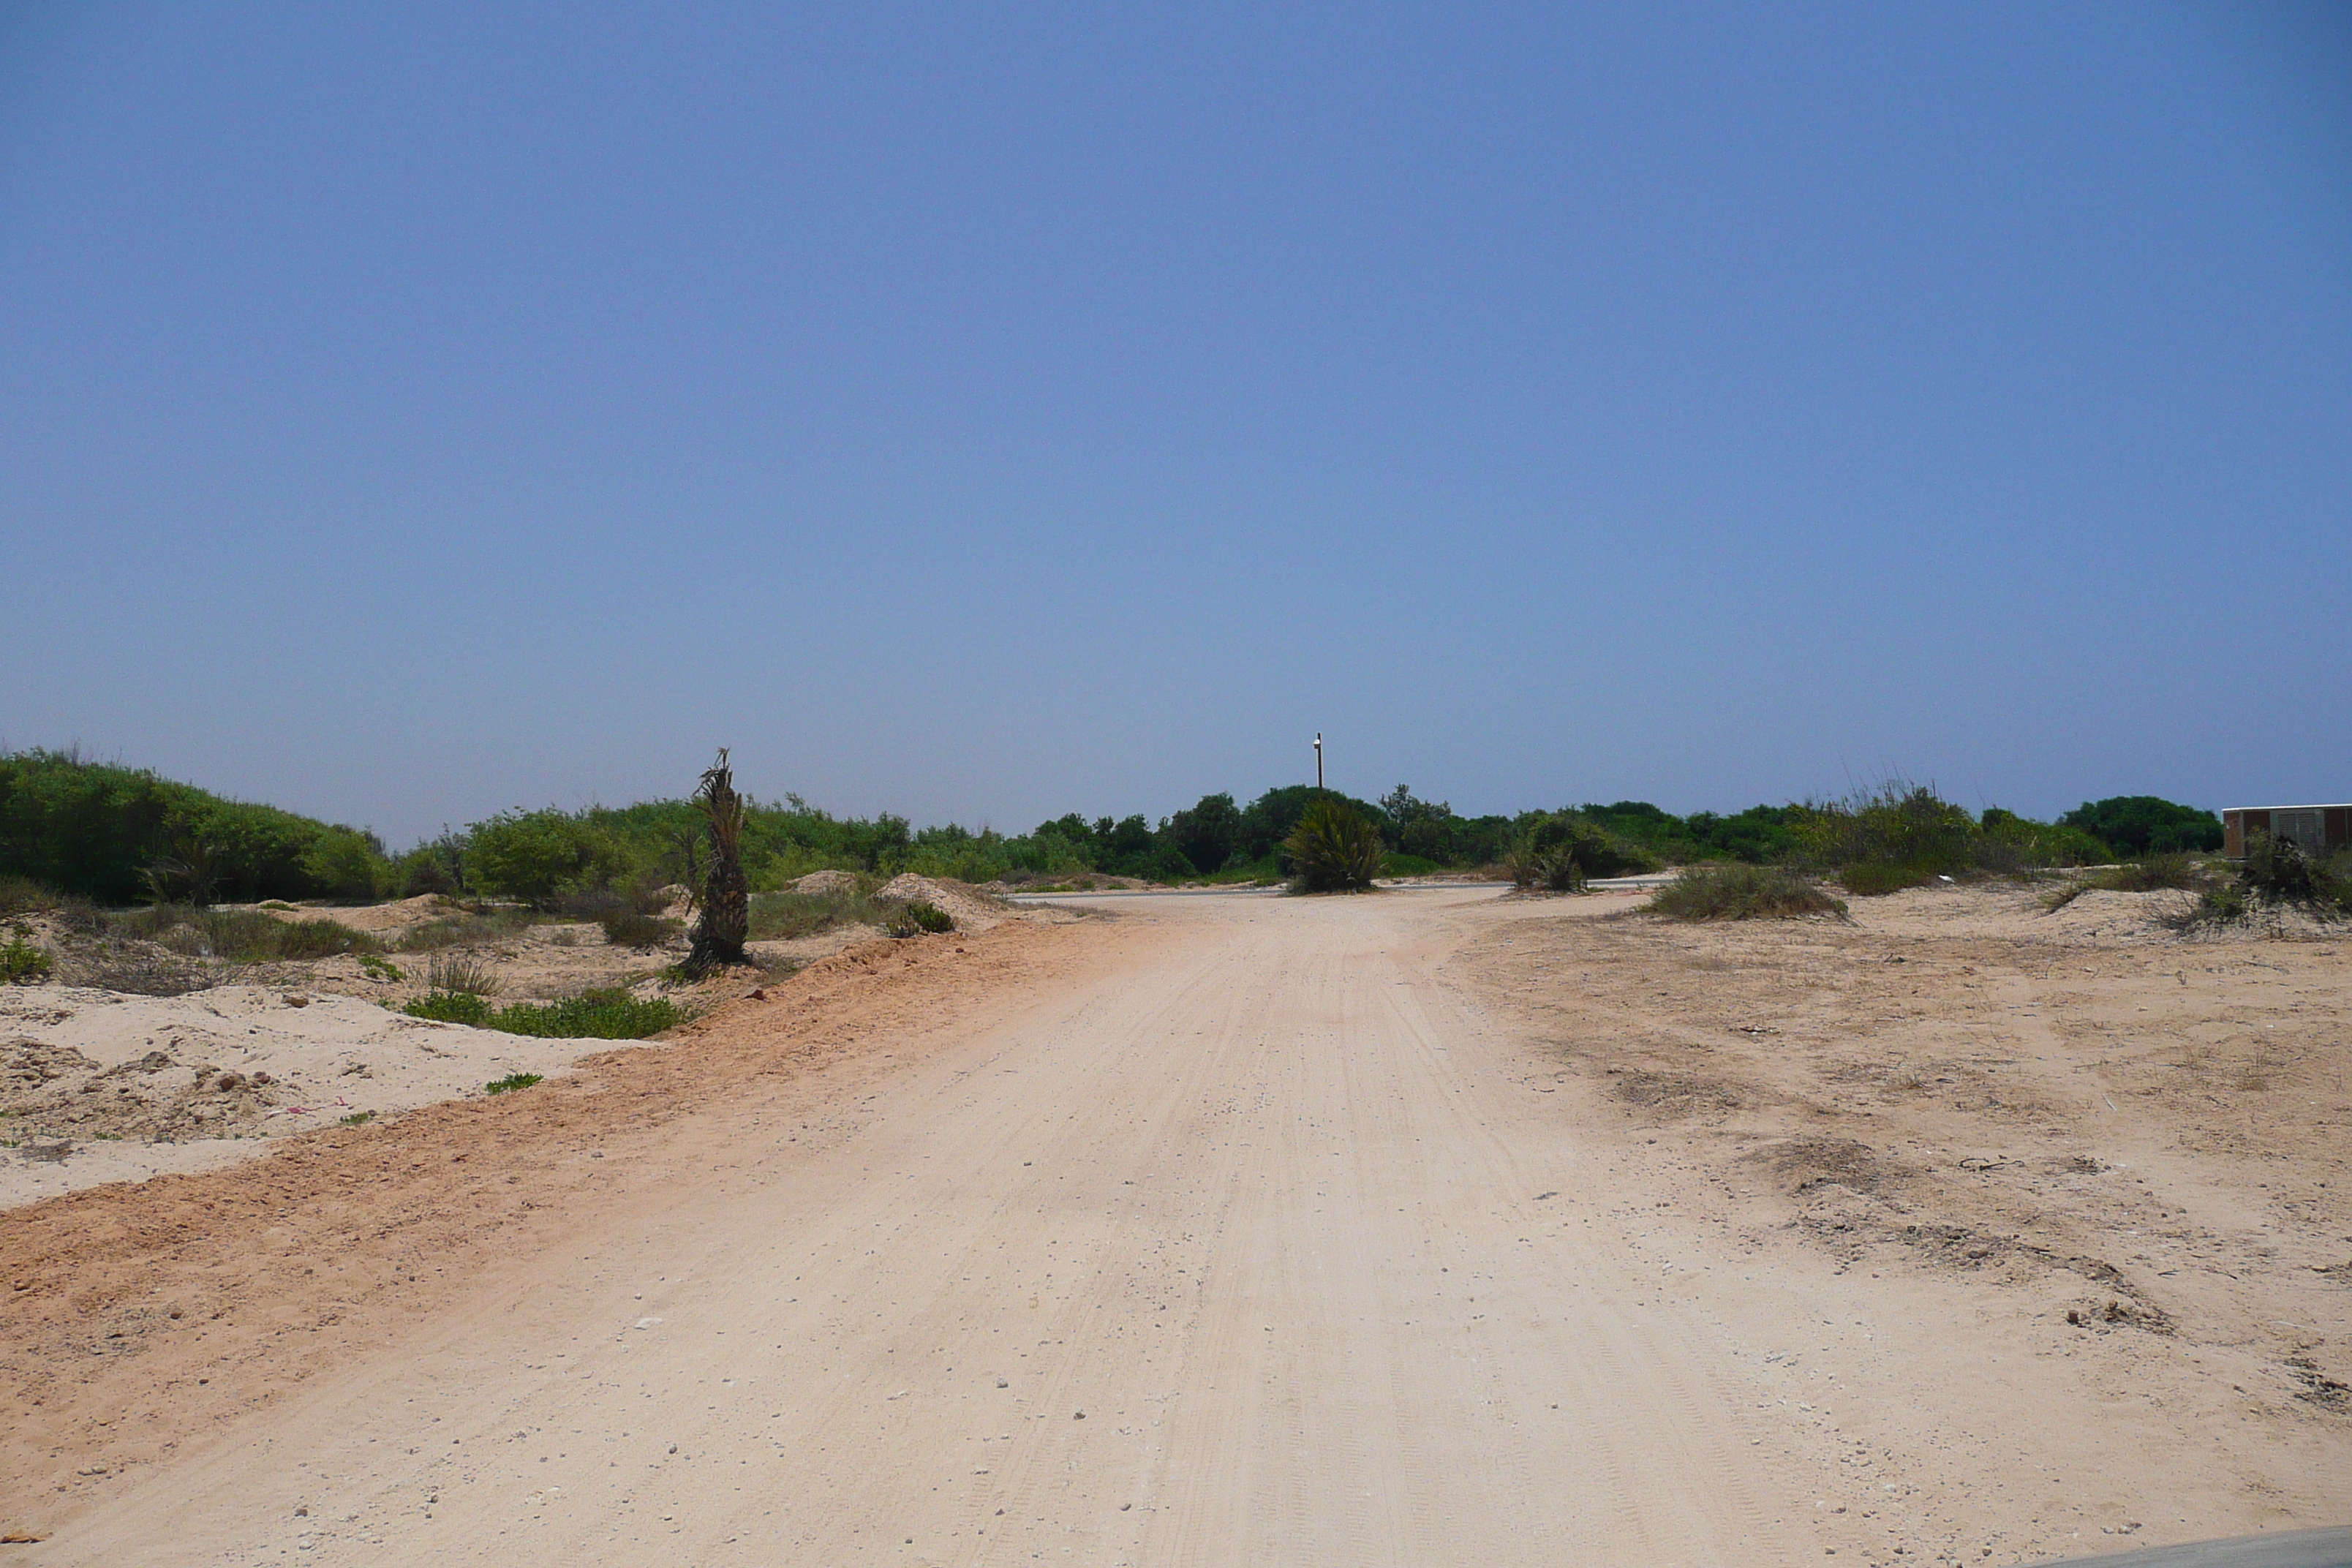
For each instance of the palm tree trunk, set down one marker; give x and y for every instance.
(726, 920)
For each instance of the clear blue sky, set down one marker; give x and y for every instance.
(982, 413)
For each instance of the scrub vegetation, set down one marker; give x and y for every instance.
(1333, 848)
(1733, 890)
(2276, 875)
(600, 1015)
(106, 834)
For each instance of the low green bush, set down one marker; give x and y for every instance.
(1554, 869)
(2275, 872)
(451, 1008)
(511, 1082)
(1334, 849)
(1905, 832)
(599, 1015)
(1735, 890)
(918, 918)
(21, 963)
(1560, 851)
(2277, 869)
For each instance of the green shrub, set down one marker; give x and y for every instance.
(2008, 842)
(1208, 833)
(451, 1008)
(1906, 831)
(1760, 835)
(918, 918)
(344, 863)
(1334, 849)
(1554, 869)
(1560, 849)
(435, 867)
(537, 855)
(2276, 871)
(21, 963)
(114, 833)
(2147, 824)
(1734, 890)
(376, 968)
(511, 1082)
(601, 1015)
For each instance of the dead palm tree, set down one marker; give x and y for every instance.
(726, 894)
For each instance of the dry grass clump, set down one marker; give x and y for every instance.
(22, 895)
(240, 936)
(2276, 876)
(459, 973)
(483, 928)
(783, 917)
(1733, 890)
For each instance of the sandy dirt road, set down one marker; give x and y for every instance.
(1242, 1231)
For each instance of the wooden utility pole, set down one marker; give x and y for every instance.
(1318, 759)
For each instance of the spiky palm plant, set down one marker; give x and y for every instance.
(1334, 850)
(1551, 866)
(726, 920)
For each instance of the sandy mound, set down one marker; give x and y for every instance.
(2103, 916)
(972, 909)
(829, 884)
(397, 916)
(133, 1086)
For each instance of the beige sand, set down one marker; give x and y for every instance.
(100, 1087)
(1424, 1228)
(971, 908)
